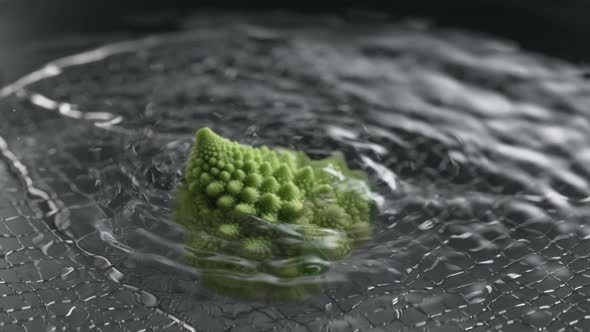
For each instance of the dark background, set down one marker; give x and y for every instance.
(558, 28)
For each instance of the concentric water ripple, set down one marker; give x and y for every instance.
(478, 153)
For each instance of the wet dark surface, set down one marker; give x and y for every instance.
(34, 32)
(477, 148)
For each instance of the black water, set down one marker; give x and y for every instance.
(477, 149)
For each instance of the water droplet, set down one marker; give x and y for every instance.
(148, 299)
(100, 262)
(115, 275)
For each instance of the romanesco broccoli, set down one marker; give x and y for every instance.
(236, 195)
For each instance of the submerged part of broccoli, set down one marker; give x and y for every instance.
(251, 211)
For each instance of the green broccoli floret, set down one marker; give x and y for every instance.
(235, 195)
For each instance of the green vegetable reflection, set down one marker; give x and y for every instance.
(262, 223)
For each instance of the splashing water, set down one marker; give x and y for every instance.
(478, 153)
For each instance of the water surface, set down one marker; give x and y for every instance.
(477, 150)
